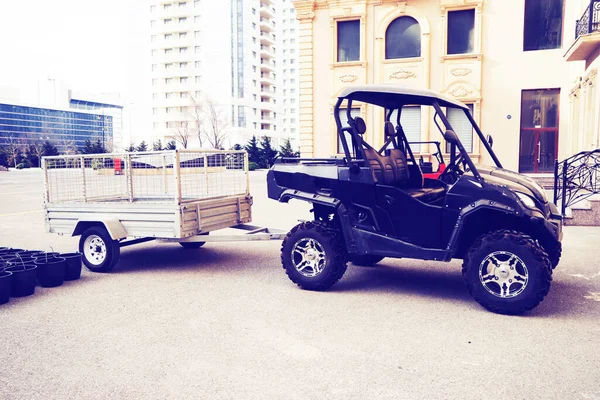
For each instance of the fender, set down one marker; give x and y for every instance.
(113, 226)
(321, 199)
(467, 211)
(337, 208)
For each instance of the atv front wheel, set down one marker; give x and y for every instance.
(507, 272)
(364, 260)
(554, 253)
(313, 256)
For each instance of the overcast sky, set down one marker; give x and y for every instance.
(97, 46)
(92, 45)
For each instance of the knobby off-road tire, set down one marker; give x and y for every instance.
(314, 256)
(193, 245)
(364, 260)
(507, 272)
(554, 254)
(100, 253)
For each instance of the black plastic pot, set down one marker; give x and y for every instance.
(73, 268)
(5, 283)
(17, 260)
(50, 254)
(10, 252)
(51, 271)
(30, 253)
(23, 280)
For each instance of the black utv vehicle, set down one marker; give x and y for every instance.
(375, 203)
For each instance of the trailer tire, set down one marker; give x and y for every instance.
(314, 256)
(364, 260)
(193, 245)
(100, 253)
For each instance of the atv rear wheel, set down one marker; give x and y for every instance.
(313, 256)
(507, 272)
(364, 260)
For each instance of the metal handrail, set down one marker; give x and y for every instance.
(589, 21)
(576, 178)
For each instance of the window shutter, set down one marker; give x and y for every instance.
(410, 119)
(355, 112)
(462, 127)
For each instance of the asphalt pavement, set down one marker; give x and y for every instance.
(224, 322)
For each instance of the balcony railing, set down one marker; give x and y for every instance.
(589, 21)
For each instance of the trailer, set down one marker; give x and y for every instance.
(120, 199)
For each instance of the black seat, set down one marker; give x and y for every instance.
(397, 157)
(414, 187)
(393, 169)
(381, 166)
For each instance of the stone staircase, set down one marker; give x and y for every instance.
(584, 213)
(545, 181)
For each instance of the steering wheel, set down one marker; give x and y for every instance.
(450, 174)
(453, 171)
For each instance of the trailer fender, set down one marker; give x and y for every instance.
(113, 226)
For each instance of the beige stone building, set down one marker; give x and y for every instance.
(503, 58)
(584, 97)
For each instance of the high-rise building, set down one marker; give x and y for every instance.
(289, 72)
(213, 71)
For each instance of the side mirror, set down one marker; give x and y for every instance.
(490, 140)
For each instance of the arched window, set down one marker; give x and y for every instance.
(403, 39)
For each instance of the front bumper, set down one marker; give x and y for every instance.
(556, 220)
(549, 225)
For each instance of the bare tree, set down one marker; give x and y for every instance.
(195, 112)
(215, 129)
(39, 150)
(69, 147)
(35, 144)
(182, 134)
(14, 150)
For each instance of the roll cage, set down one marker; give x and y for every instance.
(394, 98)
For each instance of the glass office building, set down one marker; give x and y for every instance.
(24, 125)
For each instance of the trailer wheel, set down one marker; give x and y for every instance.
(193, 245)
(313, 256)
(364, 260)
(100, 252)
(507, 272)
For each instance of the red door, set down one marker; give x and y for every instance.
(538, 148)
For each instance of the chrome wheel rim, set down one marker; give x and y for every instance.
(94, 250)
(503, 274)
(308, 257)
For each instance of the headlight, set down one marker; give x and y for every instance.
(528, 201)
